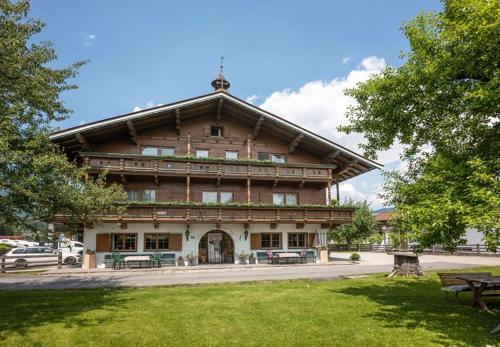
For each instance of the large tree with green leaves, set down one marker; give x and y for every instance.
(442, 104)
(36, 179)
(361, 229)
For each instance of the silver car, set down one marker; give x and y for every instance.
(22, 257)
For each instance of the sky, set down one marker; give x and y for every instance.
(292, 58)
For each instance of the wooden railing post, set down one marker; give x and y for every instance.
(478, 251)
(59, 260)
(3, 263)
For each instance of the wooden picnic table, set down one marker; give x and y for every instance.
(479, 284)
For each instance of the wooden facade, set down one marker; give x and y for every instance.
(213, 177)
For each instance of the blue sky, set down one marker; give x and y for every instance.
(277, 53)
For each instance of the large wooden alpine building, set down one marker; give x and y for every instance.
(213, 176)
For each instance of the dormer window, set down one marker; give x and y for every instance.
(216, 131)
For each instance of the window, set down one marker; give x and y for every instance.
(18, 251)
(202, 153)
(270, 240)
(149, 195)
(167, 151)
(282, 199)
(209, 197)
(215, 131)
(124, 242)
(278, 158)
(156, 241)
(149, 151)
(231, 154)
(275, 158)
(216, 197)
(297, 240)
(158, 151)
(133, 195)
(262, 156)
(226, 197)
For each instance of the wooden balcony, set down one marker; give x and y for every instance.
(216, 168)
(234, 214)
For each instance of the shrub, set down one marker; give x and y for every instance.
(355, 257)
(4, 249)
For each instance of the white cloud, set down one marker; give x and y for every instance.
(345, 60)
(149, 104)
(320, 106)
(349, 191)
(88, 39)
(252, 98)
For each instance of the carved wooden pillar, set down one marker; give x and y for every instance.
(189, 144)
(188, 182)
(249, 192)
(337, 188)
(249, 146)
(329, 193)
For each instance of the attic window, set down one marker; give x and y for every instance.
(216, 131)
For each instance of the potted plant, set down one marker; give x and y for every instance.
(252, 259)
(89, 261)
(243, 258)
(191, 259)
(180, 261)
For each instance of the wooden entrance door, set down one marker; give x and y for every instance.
(216, 247)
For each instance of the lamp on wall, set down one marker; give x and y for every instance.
(246, 234)
(187, 234)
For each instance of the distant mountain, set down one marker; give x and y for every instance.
(384, 209)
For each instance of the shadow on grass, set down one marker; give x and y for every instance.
(21, 310)
(419, 303)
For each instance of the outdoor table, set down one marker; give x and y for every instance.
(478, 284)
(138, 259)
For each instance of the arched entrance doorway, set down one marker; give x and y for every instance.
(216, 247)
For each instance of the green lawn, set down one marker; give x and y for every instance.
(371, 311)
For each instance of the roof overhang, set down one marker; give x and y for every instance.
(75, 137)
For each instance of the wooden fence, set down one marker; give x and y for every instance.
(475, 249)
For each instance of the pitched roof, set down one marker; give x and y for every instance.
(144, 119)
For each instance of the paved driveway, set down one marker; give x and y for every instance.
(372, 263)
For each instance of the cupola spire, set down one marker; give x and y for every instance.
(219, 83)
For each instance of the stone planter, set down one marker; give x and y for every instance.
(243, 260)
(252, 260)
(180, 262)
(89, 261)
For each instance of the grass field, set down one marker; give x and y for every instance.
(371, 311)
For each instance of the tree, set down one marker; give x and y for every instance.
(36, 179)
(442, 105)
(363, 226)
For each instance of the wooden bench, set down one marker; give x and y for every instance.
(166, 258)
(452, 284)
(310, 256)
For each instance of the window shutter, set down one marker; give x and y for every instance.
(206, 130)
(255, 241)
(226, 132)
(311, 239)
(102, 243)
(175, 242)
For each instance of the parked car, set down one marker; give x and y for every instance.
(23, 256)
(24, 243)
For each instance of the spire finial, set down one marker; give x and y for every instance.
(220, 83)
(221, 66)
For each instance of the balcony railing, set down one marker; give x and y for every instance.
(211, 167)
(235, 214)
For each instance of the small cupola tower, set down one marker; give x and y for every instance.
(220, 83)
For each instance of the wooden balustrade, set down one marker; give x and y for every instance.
(180, 167)
(235, 214)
